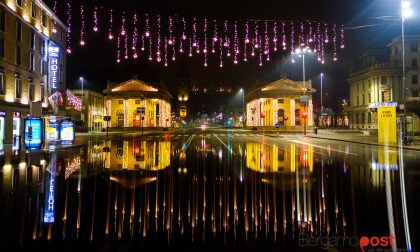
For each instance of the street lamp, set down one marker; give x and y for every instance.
(322, 108)
(243, 106)
(301, 53)
(82, 80)
(406, 12)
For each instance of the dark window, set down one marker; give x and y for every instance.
(120, 102)
(357, 118)
(414, 47)
(2, 83)
(18, 55)
(2, 21)
(363, 118)
(19, 3)
(137, 101)
(2, 47)
(31, 62)
(396, 50)
(18, 87)
(44, 19)
(383, 80)
(31, 91)
(32, 40)
(42, 47)
(414, 63)
(42, 92)
(369, 118)
(280, 101)
(33, 9)
(414, 93)
(369, 98)
(414, 79)
(18, 31)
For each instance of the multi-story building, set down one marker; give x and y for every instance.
(379, 79)
(93, 110)
(32, 61)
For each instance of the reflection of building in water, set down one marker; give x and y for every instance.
(207, 202)
(137, 154)
(263, 158)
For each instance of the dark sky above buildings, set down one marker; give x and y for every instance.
(96, 61)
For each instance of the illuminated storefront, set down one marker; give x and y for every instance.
(284, 101)
(135, 103)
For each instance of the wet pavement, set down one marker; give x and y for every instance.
(210, 189)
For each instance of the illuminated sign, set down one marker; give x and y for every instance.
(49, 201)
(67, 131)
(51, 132)
(387, 125)
(33, 133)
(383, 104)
(2, 113)
(53, 52)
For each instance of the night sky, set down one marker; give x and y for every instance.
(97, 60)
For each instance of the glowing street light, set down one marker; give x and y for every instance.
(243, 105)
(301, 53)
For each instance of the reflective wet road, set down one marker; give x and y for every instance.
(208, 190)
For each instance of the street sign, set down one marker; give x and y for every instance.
(141, 110)
(413, 98)
(277, 126)
(304, 100)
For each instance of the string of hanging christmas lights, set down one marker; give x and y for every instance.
(168, 35)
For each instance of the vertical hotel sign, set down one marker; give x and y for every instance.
(387, 121)
(54, 54)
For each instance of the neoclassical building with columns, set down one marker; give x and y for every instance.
(135, 103)
(280, 102)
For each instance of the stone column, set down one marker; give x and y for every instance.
(8, 127)
(292, 112)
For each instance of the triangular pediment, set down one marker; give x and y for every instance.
(134, 85)
(284, 85)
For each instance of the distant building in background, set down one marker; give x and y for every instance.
(134, 103)
(279, 102)
(90, 119)
(379, 79)
(32, 61)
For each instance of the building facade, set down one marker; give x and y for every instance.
(280, 102)
(135, 103)
(380, 80)
(32, 62)
(90, 119)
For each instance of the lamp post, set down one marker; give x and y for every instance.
(82, 80)
(243, 106)
(322, 108)
(406, 12)
(301, 52)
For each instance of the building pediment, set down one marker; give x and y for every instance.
(132, 85)
(285, 85)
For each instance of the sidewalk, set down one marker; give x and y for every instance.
(357, 137)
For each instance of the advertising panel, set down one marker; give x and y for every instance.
(387, 125)
(33, 133)
(67, 131)
(51, 131)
